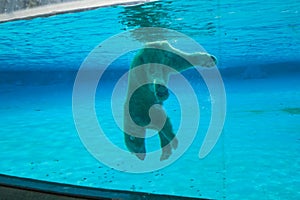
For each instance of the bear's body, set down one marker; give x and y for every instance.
(147, 91)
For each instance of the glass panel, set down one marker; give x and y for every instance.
(8, 6)
(256, 45)
(27, 9)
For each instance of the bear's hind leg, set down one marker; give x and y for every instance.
(162, 123)
(168, 140)
(165, 147)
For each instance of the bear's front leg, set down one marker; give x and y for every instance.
(136, 145)
(134, 134)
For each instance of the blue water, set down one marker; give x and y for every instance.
(257, 45)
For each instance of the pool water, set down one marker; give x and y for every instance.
(257, 45)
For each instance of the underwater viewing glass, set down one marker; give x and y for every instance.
(128, 99)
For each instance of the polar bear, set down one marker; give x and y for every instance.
(147, 90)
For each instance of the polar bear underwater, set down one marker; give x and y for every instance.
(141, 97)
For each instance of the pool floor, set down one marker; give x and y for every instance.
(257, 156)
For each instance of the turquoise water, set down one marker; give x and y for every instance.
(257, 45)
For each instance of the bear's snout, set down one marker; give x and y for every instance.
(214, 59)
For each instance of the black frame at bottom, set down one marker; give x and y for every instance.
(12, 187)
